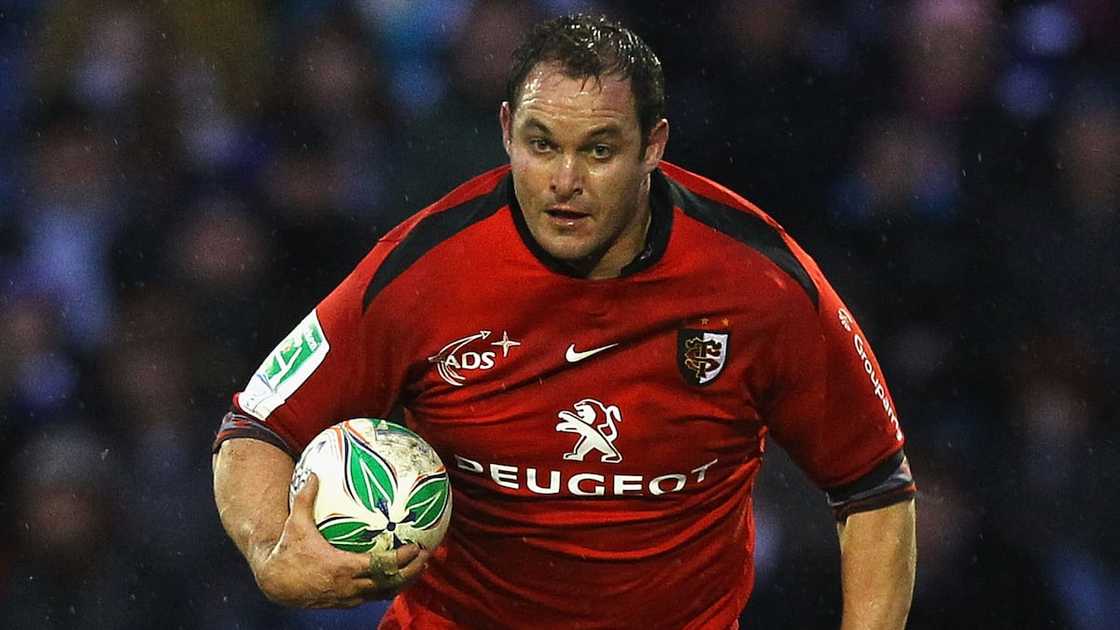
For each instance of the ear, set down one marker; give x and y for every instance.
(505, 117)
(655, 148)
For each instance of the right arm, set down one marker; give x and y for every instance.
(292, 563)
(337, 363)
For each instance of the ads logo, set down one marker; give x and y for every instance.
(460, 355)
(594, 422)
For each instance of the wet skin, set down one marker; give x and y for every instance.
(580, 171)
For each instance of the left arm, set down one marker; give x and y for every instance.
(830, 408)
(878, 556)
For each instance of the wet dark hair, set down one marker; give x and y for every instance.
(593, 47)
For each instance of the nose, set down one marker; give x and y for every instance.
(567, 178)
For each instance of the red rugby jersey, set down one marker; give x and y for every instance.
(602, 436)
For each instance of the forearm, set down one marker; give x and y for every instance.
(251, 480)
(878, 558)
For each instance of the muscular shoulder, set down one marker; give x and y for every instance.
(741, 243)
(407, 245)
(454, 204)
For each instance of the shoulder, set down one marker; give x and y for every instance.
(474, 199)
(753, 233)
(407, 244)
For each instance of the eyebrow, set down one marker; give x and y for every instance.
(533, 122)
(608, 130)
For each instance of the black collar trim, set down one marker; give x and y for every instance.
(662, 199)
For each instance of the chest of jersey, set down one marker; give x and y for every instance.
(530, 382)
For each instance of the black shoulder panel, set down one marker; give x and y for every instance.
(749, 230)
(432, 231)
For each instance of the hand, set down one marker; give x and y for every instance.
(304, 570)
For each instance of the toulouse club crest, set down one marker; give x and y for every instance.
(701, 354)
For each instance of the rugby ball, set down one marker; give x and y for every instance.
(381, 486)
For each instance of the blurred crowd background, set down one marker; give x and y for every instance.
(180, 182)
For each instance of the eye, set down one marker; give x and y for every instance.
(540, 145)
(601, 151)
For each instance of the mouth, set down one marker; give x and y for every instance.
(566, 216)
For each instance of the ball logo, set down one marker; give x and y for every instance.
(594, 423)
(371, 481)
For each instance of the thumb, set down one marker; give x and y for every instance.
(304, 504)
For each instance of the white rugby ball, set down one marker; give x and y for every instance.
(381, 486)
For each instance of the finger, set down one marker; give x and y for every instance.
(363, 587)
(381, 564)
(406, 553)
(304, 504)
(391, 580)
(368, 590)
(374, 589)
(351, 602)
(388, 568)
(416, 566)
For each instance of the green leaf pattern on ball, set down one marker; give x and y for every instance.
(428, 501)
(372, 478)
(348, 534)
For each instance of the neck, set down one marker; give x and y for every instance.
(625, 248)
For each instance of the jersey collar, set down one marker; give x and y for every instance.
(661, 201)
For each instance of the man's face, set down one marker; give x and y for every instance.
(579, 170)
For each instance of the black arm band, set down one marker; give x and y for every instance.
(239, 425)
(887, 483)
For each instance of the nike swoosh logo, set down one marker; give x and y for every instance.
(575, 357)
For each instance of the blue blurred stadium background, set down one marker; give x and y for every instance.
(180, 182)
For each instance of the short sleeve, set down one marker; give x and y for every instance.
(330, 368)
(830, 407)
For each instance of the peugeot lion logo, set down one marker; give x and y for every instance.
(594, 422)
